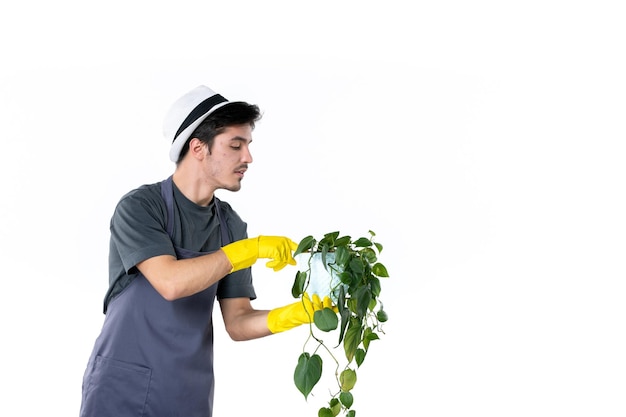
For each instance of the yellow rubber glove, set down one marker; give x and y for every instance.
(300, 312)
(244, 253)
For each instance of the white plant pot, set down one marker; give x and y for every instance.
(323, 281)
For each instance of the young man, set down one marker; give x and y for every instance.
(174, 249)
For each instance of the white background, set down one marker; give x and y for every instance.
(482, 142)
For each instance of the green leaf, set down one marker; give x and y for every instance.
(325, 412)
(379, 270)
(335, 406)
(308, 372)
(351, 413)
(356, 265)
(363, 297)
(325, 319)
(362, 242)
(368, 336)
(331, 236)
(346, 278)
(369, 255)
(373, 336)
(342, 255)
(329, 239)
(351, 303)
(347, 379)
(359, 356)
(352, 339)
(346, 399)
(305, 244)
(343, 241)
(298, 284)
(341, 298)
(345, 320)
(324, 253)
(375, 286)
(382, 316)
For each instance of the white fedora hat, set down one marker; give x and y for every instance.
(187, 113)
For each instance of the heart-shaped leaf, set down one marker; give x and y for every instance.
(325, 319)
(346, 399)
(347, 379)
(298, 284)
(308, 372)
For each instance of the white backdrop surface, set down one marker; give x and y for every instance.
(482, 142)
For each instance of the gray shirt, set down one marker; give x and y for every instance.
(138, 232)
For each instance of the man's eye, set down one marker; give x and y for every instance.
(236, 147)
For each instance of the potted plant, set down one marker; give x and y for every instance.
(348, 272)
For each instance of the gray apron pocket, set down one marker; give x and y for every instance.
(127, 383)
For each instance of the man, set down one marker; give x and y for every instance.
(174, 249)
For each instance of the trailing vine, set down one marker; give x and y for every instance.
(357, 315)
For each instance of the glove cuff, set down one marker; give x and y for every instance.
(287, 317)
(242, 254)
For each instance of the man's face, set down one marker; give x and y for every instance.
(230, 155)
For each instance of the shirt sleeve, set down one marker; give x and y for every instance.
(138, 231)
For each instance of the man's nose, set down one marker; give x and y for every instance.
(247, 156)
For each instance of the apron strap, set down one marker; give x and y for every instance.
(167, 192)
(223, 227)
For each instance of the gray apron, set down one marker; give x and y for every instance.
(154, 358)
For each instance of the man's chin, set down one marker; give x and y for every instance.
(234, 187)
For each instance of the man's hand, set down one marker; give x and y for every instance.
(300, 312)
(244, 253)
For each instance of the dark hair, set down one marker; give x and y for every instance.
(231, 114)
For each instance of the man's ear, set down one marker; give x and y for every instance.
(197, 148)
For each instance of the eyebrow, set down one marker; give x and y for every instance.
(240, 139)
